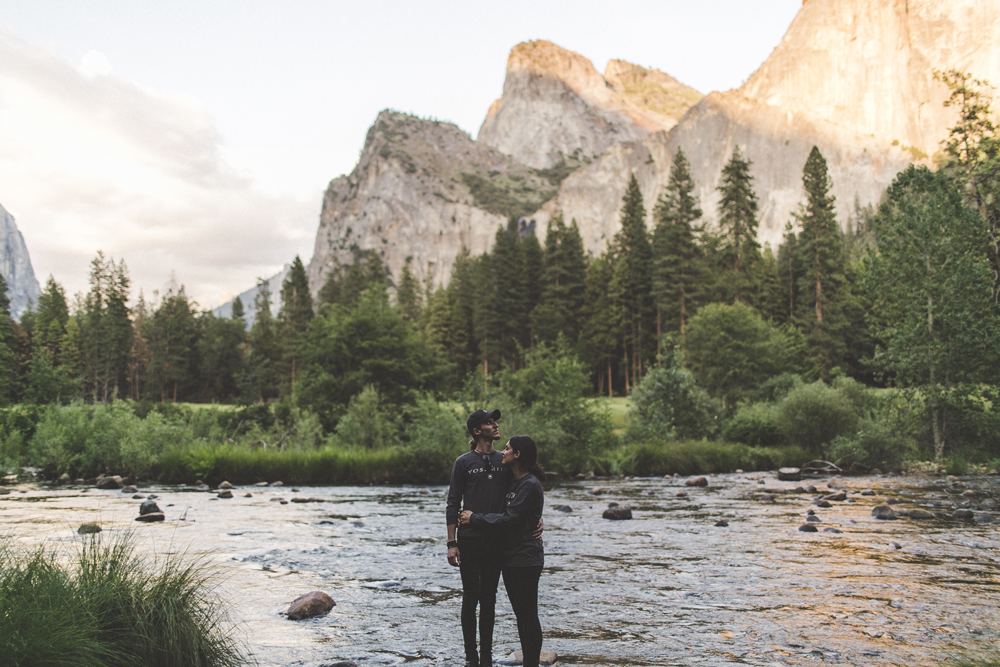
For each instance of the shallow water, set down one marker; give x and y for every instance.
(666, 588)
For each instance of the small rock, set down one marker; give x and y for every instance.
(963, 514)
(226, 493)
(722, 523)
(312, 604)
(812, 518)
(149, 507)
(739, 471)
(989, 504)
(617, 513)
(113, 482)
(766, 497)
(920, 514)
(833, 530)
(902, 512)
(151, 517)
(261, 484)
(697, 481)
(64, 478)
(892, 501)
(129, 489)
(837, 483)
(562, 508)
(952, 478)
(546, 657)
(596, 491)
(88, 528)
(789, 474)
(883, 513)
(225, 485)
(306, 500)
(357, 523)
(808, 528)
(612, 505)
(4, 492)
(284, 502)
(152, 496)
(810, 511)
(837, 497)
(138, 496)
(824, 504)
(868, 492)
(810, 489)
(895, 546)
(295, 490)
(275, 484)
(340, 663)
(682, 494)
(248, 495)
(277, 500)
(968, 492)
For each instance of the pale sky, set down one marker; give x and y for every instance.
(195, 138)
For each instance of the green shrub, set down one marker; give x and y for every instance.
(436, 436)
(814, 414)
(112, 608)
(667, 404)
(700, 458)
(875, 444)
(956, 464)
(368, 422)
(757, 424)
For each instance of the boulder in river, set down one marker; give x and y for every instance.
(261, 484)
(722, 523)
(64, 478)
(920, 514)
(963, 514)
(225, 485)
(883, 513)
(89, 528)
(225, 493)
(812, 518)
(617, 513)
(807, 528)
(562, 508)
(151, 517)
(130, 489)
(113, 482)
(697, 481)
(682, 494)
(789, 474)
(312, 604)
(149, 507)
(823, 503)
(868, 492)
(837, 497)
(276, 484)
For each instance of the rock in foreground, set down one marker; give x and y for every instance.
(88, 528)
(617, 513)
(152, 517)
(883, 513)
(312, 604)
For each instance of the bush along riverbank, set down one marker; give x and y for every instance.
(108, 607)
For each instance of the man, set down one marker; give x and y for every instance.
(479, 482)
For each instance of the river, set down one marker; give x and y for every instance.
(668, 587)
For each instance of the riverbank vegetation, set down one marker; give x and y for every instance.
(869, 347)
(107, 606)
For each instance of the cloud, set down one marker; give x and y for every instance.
(89, 161)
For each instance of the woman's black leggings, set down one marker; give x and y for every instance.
(480, 577)
(522, 589)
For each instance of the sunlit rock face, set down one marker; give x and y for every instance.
(15, 265)
(557, 107)
(853, 77)
(422, 190)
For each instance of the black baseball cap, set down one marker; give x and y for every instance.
(480, 416)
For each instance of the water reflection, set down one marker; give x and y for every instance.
(666, 588)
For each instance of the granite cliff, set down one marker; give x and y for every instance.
(421, 191)
(15, 265)
(556, 107)
(853, 77)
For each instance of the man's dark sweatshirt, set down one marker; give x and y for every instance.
(517, 523)
(479, 483)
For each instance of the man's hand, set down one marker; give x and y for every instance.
(464, 518)
(538, 531)
(454, 558)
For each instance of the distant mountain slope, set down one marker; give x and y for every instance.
(421, 191)
(247, 297)
(854, 77)
(556, 107)
(15, 264)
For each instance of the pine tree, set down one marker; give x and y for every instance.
(822, 285)
(677, 258)
(238, 314)
(532, 270)
(260, 375)
(293, 320)
(106, 328)
(171, 332)
(563, 282)
(790, 273)
(9, 391)
(71, 359)
(408, 295)
(52, 309)
(600, 332)
(633, 283)
(738, 223)
(462, 346)
(506, 316)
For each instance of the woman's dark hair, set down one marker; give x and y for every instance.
(528, 460)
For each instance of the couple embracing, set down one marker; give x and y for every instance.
(494, 516)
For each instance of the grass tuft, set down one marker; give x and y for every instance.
(110, 607)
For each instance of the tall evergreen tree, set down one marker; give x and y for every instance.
(239, 313)
(9, 391)
(563, 282)
(738, 224)
(600, 323)
(533, 268)
(632, 282)
(106, 328)
(790, 273)
(293, 320)
(408, 295)
(171, 333)
(259, 380)
(823, 284)
(222, 350)
(506, 316)
(677, 257)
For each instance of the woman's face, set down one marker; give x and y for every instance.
(509, 455)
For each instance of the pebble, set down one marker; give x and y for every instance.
(812, 518)
(149, 507)
(697, 481)
(868, 492)
(129, 489)
(617, 513)
(295, 490)
(722, 523)
(277, 500)
(88, 528)
(562, 508)
(596, 491)
(261, 484)
(962, 514)
(225, 493)
(150, 518)
(275, 484)
(682, 494)
(766, 497)
(883, 513)
(138, 496)
(808, 528)
(920, 514)
(825, 504)
(301, 499)
(838, 531)
(248, 495)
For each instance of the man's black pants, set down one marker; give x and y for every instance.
(481, 562)
(522, 589)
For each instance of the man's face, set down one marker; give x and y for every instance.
(489, 430)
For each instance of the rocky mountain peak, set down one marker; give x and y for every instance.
(15, 265)
(557, 109)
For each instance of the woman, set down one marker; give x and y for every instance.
(523, 555)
